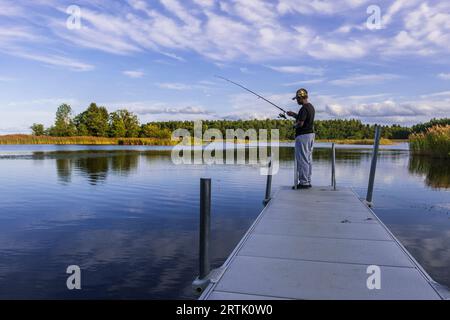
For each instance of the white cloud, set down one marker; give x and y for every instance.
(190, 110)
(134, 74)
(172, 56)
(325, 48)
(251, 30)
(364, 79)
(309, 7)
(436, 94)
(14, 130)
(17, 34)
(202, 85)
(376, 108)
(174, 86)
(248, 106)
(6, 79)
(387, 108)
(347, 28)
(38, 103)
(298, 69)
(444, 76)
(55, 60)
(10, 9)
(245, 115)
(243, 33)
(176, 8)
(205, 3)
(254, 11)
(426, 31)
(396, 7)
(383, 111)
(303, 82)
(162, 110)
(101, 31)
(244, 70)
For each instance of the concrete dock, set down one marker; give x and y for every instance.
(318, 244)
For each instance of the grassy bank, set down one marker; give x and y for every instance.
(434, 142)
(383, 141)
(29, 139)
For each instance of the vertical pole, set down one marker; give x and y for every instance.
(373, 165)
(295, 172)
(295, 166)
(205, 225)
(268, 184)
(333, 166)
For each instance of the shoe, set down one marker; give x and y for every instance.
(303, 186)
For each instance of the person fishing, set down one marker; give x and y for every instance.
(304, 133)
(304, 138)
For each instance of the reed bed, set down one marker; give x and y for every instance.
(29, 139)
(434, 142)
(383, 141)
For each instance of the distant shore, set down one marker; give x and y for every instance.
(30, 139)
(23, 139)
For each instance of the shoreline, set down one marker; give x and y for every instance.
(46, 140)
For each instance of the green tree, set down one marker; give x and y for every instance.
(93, 122)
(150, 130)
(64, 125)
(117, 126)
(37, 129)
(124, 123)
(82, 130)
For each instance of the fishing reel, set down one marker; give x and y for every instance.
(282, 116)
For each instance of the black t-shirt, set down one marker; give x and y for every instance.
(306, 114)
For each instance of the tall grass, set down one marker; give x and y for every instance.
(383, 141)
(29, 139)
(434, 142)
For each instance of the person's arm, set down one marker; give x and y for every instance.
(292, 114)
(301, 118)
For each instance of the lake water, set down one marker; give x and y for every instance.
(129, 217)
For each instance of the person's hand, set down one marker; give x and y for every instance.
(291, 114)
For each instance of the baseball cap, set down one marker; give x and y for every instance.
(301, 93)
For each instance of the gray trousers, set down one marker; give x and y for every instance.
(304, 145)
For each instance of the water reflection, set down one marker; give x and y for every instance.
(64, 170)
(97, 165)
(94, 166)
(124, 163)
(436, 171)
(135, 233)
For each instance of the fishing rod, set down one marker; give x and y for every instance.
(281, 115)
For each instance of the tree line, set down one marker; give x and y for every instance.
(96, 121)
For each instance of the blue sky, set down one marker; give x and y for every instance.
(158, 58)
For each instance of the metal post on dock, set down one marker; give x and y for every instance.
(205, 225)
(373, 165)
(268, 184)
(333, 166)
(295, 172)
